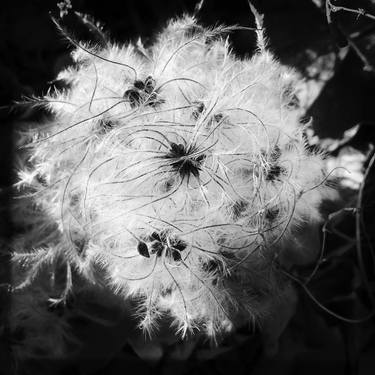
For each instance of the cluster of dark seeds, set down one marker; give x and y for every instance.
(272, 213)
(210, 266)
(80, 245)
(239, 208)
(292, 99)
(143, 92)
(182, 161)
(41, 179)
(199, 109)
(158, 244)
(105, 125)
(274, 170)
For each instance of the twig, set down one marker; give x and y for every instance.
(330, 8)
(334, 8)
(324, 308)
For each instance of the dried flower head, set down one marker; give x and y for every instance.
(180, 171)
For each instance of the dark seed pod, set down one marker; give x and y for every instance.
(80, 245)
(167, 185)
(157, 247)
(134, 97)
(153, 100)
(74, 199)
(105, 125)
(163, 236)
(275, 154)
(272, 213)
(41, 179)
(239, 208)
(200, 158)
(198, 110)
(166, 292)
(218, 117)
(149, 85)
(138, 84)
(274, 172)
(179, 245)
(142, 249)
(291, 99)
(182, 161)
(178, 149)
(155, 236)
(210, 266)
(176, 255)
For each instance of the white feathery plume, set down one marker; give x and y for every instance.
(180, 171)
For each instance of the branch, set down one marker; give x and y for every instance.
(330, 8)
(334, 8)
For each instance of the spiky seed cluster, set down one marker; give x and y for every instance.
(180, 171)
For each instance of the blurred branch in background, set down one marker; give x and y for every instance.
(341, 35)
(334, 8)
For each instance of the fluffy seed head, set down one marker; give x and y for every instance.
(180, 171)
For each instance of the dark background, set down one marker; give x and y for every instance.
(32, 52)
